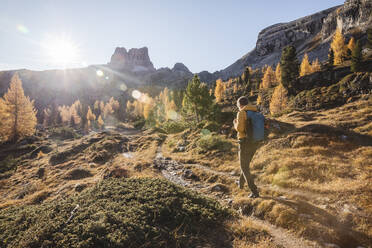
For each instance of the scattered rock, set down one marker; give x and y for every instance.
(189, 174)
(40, 172)
(235, 173)
(219, 188)
(212, 179)
(79, 187)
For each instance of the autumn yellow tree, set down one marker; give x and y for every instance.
(278, 73)
(100, 122)
(18, 115)
(90, 117)
(269, 78)
(315, 66)
(305, 67)
(338, 47)
(219, 90)
(279, 100)
(148, 106)
(235, 89)
(259, 99)
(170, 111)
(114, 104)
(64, 112)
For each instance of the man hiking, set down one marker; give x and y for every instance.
(248, 125)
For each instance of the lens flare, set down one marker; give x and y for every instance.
(99, 73)
(23, 29)
(136, 94)
(123, 87)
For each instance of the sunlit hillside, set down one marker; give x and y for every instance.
(124, 154)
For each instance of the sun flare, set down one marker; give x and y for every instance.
(61, 50)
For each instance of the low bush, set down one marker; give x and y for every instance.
(63, 133)
(8, 166)
(171, 127)
(117, 213)
(139, 124)
(213, 141)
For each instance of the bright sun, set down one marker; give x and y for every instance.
(61, 50)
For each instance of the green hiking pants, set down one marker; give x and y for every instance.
(246, 152)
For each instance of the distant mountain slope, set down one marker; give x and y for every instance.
(133, 68)
(311, 34)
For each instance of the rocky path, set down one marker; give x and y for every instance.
(179, 174)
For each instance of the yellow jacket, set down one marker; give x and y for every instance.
(240, 125)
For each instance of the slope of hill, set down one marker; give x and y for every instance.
(310, 34)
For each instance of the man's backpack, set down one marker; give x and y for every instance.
(257, 121)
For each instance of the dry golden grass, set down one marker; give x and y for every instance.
(247, 234)
(53, 184)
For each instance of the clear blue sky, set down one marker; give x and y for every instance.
(202, 34)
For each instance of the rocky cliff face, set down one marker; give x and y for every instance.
(136, 60)
(310, 34)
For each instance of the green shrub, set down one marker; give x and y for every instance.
(8, 166)
(116, 213)
(63, 133)
(174, 126)
(214, 142)
(139, 123)
(212, 126)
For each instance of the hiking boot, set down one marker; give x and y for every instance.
(254, 195)
(241, 186)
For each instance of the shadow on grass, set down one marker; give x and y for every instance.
(342, 134)
(344, 235)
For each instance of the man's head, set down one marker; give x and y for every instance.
(242, 101)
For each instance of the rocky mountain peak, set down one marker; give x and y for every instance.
(136, 60)
(180, 67)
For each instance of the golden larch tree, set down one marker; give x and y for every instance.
(338, 47)
(64, 112)
(269, 78)
(107, 110)
(315, 66)
(170, 111)
(100, 122)
(305, 67)
(279, 100)
(90, 117)
(235, 88)
(278, 73)
(148, 106)
(259, 99)
(351, 44)
(115, 105)
(18, 112)
(219, 90)
(75, 119)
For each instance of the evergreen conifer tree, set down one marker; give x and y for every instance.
(331, 59)
(197, 99)
(356, 58)
(289, 67)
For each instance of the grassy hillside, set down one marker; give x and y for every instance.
(118, 213)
